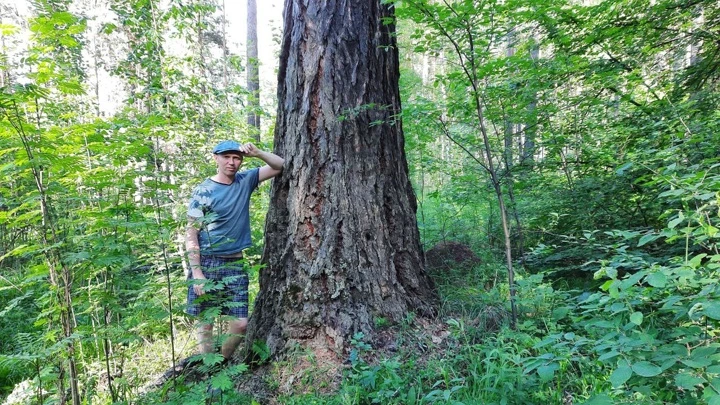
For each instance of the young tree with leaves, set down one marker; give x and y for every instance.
(474, 117)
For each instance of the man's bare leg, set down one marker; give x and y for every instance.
(205, 337)
(237, 329)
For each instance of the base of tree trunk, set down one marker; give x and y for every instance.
(319, 371)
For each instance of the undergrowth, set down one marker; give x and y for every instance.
(647, 335)
(474, 358)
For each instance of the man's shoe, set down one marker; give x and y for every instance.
(190, 362)
(213, 393)
(182, 367)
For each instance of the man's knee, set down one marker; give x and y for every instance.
(203, 327)
(238, 326)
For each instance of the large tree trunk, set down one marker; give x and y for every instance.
(342, 245)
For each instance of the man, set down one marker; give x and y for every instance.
(217, 232)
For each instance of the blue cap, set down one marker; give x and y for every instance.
(227, 146)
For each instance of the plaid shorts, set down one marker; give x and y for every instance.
(226, 288)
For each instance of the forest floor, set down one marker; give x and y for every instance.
(305, 374)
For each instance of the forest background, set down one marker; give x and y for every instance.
(591, 127)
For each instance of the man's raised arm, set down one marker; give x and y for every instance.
(274, 163)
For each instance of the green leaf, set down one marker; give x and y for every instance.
(222, 382)
(711, 231)
(657, 279)
(410, 398)
(547, 372)
(711, 394)
(71, 87)
(8, 29)
(211, 359)
(611, 272)
(108, 28)
(712, 310)
(261, 349)
(620, 376)
(601, 399)
(669, 362)
(636, 318)
(621, 170)
(646, 369)
(713, 369)
(609, 355)
(688, 381)
(696, 363)
(560, 313)
(695, 261)
(675, 222)
(651, 237)
(606, 285)
(677, 192)
(237, 369)
(632, 280)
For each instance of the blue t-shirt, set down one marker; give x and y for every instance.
(223, 213)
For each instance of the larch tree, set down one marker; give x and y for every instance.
(342, 246)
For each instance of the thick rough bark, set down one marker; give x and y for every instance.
(342, 245)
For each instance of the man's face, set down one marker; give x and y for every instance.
(229, 163)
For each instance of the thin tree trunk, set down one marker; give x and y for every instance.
(530, 131)
(509, 129)
(468, 64)
(253, 76)
(510, 132)
(226, 52)
(60, 279)
(95, 53)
